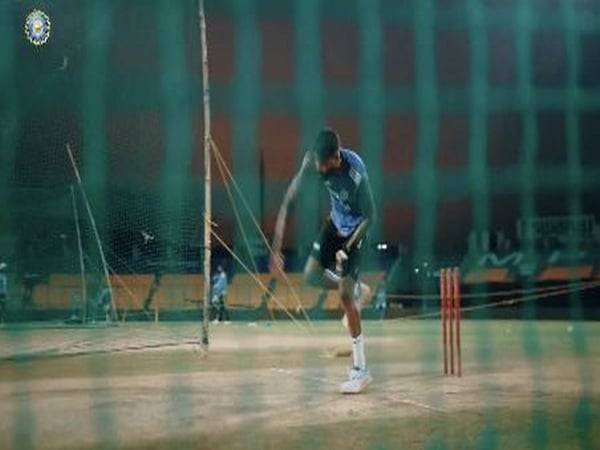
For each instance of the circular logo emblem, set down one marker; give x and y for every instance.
(37, 27)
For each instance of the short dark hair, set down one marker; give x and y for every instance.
(326, 144)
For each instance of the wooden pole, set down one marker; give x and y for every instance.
(84, 301)
(207, 174)
(114, 315)
(444, 315)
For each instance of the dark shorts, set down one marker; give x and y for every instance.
(328, 244)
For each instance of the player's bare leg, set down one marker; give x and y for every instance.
(347, 287)
(315, 275)
(358, 377)
(361, 293)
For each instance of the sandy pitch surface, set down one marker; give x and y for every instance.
(526, 385)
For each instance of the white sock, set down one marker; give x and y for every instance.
(358, 352)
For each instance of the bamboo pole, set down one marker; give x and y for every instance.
(207, 174)
(84, 301)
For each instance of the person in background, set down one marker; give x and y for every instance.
(381, 300)
(152, 291)
(219, 292)
(3, 291)
(104, 303)
(101, 301)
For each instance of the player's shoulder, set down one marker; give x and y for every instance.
(354, 160)
(357, 169)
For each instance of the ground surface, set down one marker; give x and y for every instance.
(525, 385)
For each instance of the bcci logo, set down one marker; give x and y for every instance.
(37, 27)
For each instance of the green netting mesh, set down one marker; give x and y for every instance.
(478, 123)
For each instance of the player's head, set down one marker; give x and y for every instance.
(327, 151)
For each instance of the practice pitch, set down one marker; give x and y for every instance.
(525, 385)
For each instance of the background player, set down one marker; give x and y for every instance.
(335, 259)
(3, 291)
(219, 293)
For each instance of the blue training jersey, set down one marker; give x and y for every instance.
(3, 284)
(220, 284)
(343, 186)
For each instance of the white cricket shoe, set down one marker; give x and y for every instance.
(361, 291)
(358, 380)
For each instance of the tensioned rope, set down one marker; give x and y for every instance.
(511, 301)
(259, 282)
(499, 293)
(237, 215)
(223, 168)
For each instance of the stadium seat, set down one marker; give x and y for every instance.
(566, 273)
(490, 275)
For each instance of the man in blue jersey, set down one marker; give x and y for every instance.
(219, 292)
(335, 259)
(3, 292)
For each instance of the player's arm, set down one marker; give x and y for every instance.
(367, 205)
(288, 199)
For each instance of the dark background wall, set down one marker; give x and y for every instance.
(469, 114)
